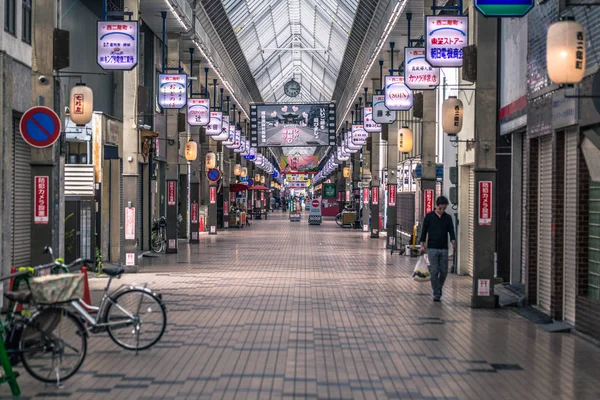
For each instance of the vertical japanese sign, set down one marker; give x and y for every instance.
(129, 223)
(428, 201)
(398, 97)
(129, 259)
(359, 135)
(172, 91)
(117, 47)
(198, 111)
(485, 203)
(215, 125)
(213, 194)
(171, 193)
(366, 195)
(194, 213)
(262, 196)
(418, 73)
(79, 103)
(347, 195)
(445, 38)
(226, 208)
(381, 114)
(40, 204)
(375, 195)
(370, 125)
(392, 195)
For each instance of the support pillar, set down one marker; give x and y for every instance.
(366, 188)
(392, 181)
(375, 184)
(356, 180)
(226, 176)
(340, 186)
(194, 134)
(172, 146)
(484, 245)
(212, 195)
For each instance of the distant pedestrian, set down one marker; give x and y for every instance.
(434, 238)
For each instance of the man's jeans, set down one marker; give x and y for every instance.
(438, 268)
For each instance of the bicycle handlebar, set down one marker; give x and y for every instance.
(23, 273)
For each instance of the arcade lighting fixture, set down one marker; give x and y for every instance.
(262, 179)
(237, 170)
(565, 51)
(211, 160)
(405, 140)
(81, 104)
(452, 115)
(257, 178)
(244, 172)
(191, 151)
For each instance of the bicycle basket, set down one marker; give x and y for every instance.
(52, 289)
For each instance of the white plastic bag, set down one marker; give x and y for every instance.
(421, 272)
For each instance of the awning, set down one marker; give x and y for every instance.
(258, 187)
(237, 187)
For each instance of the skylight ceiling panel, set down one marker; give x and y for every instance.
(279, 16)
(239, 17)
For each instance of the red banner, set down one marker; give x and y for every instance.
(194, 213)
(171, 193)
(366, 195)
(485, 203)
(347, 195)
(375, 195)
(392, 195)
(225, 208)
(213, 195)
(428, 201)
(129, 223)
(40, 205)
(262, 196)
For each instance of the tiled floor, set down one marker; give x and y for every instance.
(282, 310)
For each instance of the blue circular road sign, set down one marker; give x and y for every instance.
(213, 174)
(40, 127)
(250, 182)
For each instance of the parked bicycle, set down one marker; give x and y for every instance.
(158, 237)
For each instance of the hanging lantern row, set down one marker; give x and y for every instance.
(191, 150)
(452, 115)
(405, 140)
(237, 170)
(565, 52)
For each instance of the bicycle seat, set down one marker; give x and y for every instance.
(23, 297)
(116, 271)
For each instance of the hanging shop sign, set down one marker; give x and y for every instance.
(418, 73)
(213, 195)
(369, 124)
(375, 195)
(504, 8)
(237, 142)
(241, 144)
(117, 47)
(350, 144)
(428, 201)
(171, 199)
(198, 112)
(129, 223)
(40, 204)
(231, 139)
(359, 135)
(172, 91)
(381, 114)
(329, 191)
(398, 97)
(392, 189)
(215, 125)
(445, 38)
(251, 154)
(485, 203)
(224, 135)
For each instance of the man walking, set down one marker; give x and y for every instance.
(436, 228)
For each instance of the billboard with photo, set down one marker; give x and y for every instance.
(298, 164)
(292, 125)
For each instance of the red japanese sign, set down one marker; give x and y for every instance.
(366, 195)
(171, 200)
(40, 204)
(375, 195)
(78, 101)
(226, 208)
(347, 195)
(485, 203)
(392, 195)
(262, 196)
(213, 194)
(129, 223)
(194, 213)
(428, 201)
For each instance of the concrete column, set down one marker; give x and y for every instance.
(516, 207)
(172, 145)
(194, 134)
(226, 176)
(375, 183)
(356, 179)
(486, 112)
(392, 166)
(340, 184)
(366, 183)
(212, 205)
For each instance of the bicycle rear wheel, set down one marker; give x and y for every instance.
(136, 319)
(338, 219)
(53, 345)
(157, 242)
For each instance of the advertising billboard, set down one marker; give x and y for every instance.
(294, 164)
(292, 125)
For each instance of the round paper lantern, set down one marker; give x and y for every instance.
(565, 52)
(237, 170)
(346, 172)
(211, 160)
(244, 172)
(405, 140)
(262, 179)
(452, 115)
(81, 104)
(191, 150)
(257, 177)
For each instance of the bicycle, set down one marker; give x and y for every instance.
(158, 237)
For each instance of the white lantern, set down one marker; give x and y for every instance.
(191, 150)
(452, 115)
(405, 140)
(257, 178)
(244, 172)
(565, 52)
(211, 160)
(346, 172)
(81, 104)
(262, 179)
(237, 170)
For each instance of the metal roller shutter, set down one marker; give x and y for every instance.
(570, 261)
(21, 196)
(471, 246)
(545, 225)
(140, 207)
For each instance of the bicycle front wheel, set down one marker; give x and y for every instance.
(338, 219)
(136, 319)
(157, 242)
(53, 345)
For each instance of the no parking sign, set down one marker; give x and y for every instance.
(40, 127)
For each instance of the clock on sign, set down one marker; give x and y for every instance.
(292, 88)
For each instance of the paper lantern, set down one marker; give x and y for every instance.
(81, 104)
(565, 52)
(244, 172)
(405, 140)
(452, 115)
(211, 160)
(257, 177)
(262, 179)
(346, 172)
(191, 150)
(237, 170)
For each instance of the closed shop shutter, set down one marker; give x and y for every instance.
(140, 207)
(545, 225)
(570, 263)
(471, 221)
(21, 196)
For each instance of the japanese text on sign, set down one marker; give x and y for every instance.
(485, 203)
(78, 101)
(129, 223)
(172, 91)
(428, 201)
(213, 195)
(117, 45)
(418, 73)
(216, 123)
(365, 195)
(370, 125)
(359, 135)
(445, 39)
(392, 195)
(381, 114)
(398, 97)
(194, 213)
(198, 111)
(375, 195)
(40, 206)
(171, 193)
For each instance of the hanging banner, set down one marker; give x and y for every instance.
(129, 223)
(40, 204)
(171, 200)
(485, 203)
(398, 97)
(418, 73)
(381, 114)
(428, 201)
(392, 189)
(359, 135)
(216, 123)
(213, 195)
(445, 38)
(198, 111)
(370, 125)
(224, 135)
(172, 91)
(117, 47)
